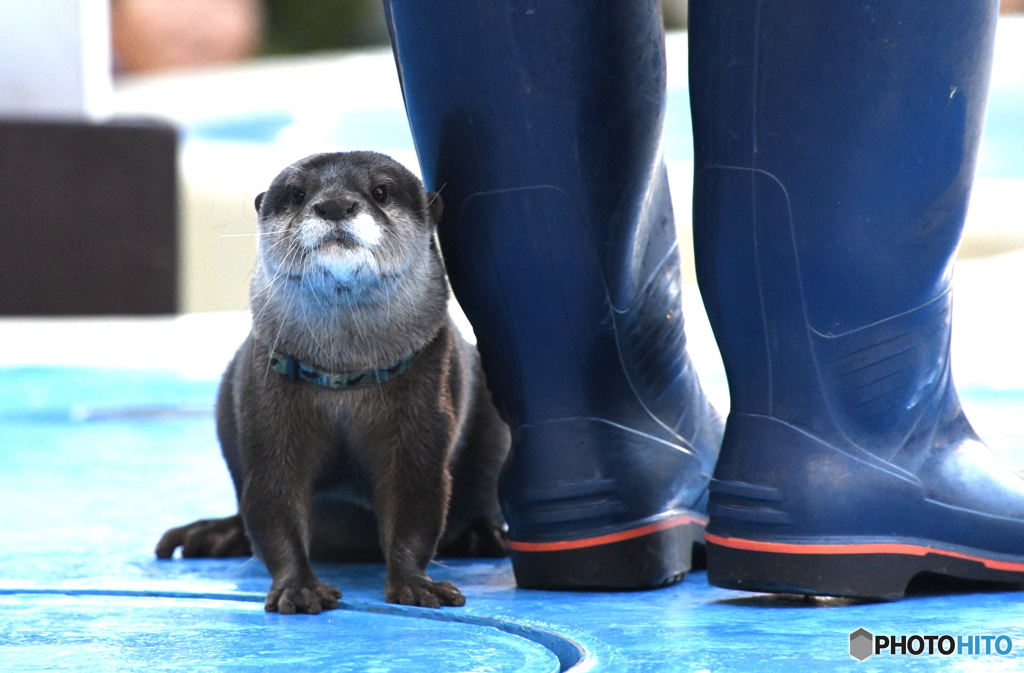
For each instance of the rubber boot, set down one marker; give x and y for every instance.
(540, 126)
(835, 146)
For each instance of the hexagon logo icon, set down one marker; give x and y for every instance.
(862, 644)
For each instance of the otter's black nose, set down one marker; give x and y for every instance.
(336, 209)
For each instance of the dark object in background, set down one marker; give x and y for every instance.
(89, 218)
(298, 26)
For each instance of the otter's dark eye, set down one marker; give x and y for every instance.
(297, 195)
(380, 193)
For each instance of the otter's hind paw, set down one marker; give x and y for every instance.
(484, 538)
(206, 538)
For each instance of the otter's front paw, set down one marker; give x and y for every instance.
(207, 537)
(424, 592)
(311, 597)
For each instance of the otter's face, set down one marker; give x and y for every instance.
(346, 220)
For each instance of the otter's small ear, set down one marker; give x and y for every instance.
(435, 206)
(259, 200)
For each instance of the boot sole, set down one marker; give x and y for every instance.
(645, 557)
(861, 570)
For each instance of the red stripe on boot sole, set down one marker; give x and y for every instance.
(563, 545)
(870, 548)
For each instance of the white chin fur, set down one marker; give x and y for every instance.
(348, 264)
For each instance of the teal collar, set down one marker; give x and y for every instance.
(294, 370)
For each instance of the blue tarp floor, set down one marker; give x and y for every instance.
(98, 462)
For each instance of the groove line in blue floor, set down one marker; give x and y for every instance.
(571, 655)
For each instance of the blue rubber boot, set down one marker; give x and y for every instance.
(835, 145)
(540, 126)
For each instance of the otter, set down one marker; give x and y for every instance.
(354, 419)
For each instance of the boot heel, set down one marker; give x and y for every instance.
(880, 576)
(645, 557)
